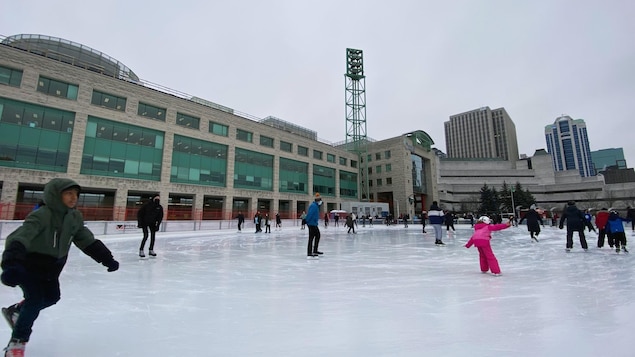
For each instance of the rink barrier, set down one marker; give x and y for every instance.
(128, 227)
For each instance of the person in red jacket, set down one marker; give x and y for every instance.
(600, 222)
(481, 239)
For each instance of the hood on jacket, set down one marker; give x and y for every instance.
(479, 225)
(53, 193)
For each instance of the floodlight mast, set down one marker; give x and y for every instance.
(355, 92)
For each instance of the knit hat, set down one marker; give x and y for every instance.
(484, 219)
(532, 207)
(571, 203)
(317, 196)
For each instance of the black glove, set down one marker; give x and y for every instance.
(101, 254)
(112, 265)
(13, 275)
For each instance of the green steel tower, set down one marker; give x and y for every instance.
(355, 91)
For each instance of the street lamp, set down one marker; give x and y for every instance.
(513, 206)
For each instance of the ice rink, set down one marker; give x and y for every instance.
(386, 291)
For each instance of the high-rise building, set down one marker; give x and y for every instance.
(568, 145)
(605, 158)
(482, 133)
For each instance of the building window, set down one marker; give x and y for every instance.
(293, 176)
(34, 136)
(389, 181)
(303, 151)
(11, 77)
(187, 121)
(324, 180)
(57, 88)
(388, 167)
(353, 164)
(218, 129)
(330, 158)
(253, 170)
(378, 182)
(109, 101)
(369, 158)
(348, 184)
(198, 162)
(377, 169)
(378, 156)
(370, 183)
(343, 161)
(121, 150)
(243, 135)
(370, 170)
(266, 141)
(387, 154)
(150, 111)
(317, 155)
(285, 146)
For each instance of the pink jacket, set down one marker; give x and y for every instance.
(483, 234)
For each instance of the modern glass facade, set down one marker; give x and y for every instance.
(34, 137)
(198, 162)
(324, 180)
(122, 150)
(348, 184)
(568, 145)
(253, 170)
(294, 176)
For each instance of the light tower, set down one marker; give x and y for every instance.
(355, 91)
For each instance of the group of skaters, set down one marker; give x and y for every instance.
(259, 221)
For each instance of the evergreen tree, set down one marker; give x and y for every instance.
(489, 200)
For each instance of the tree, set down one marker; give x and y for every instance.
(489, 200)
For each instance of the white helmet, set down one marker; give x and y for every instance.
(484, 219)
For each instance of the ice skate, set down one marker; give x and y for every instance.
(439, 243)
(624, 250)
(152, 253)
(534, 239)
(15, 348)
(141, 254)
(11, 314)
(617, 249)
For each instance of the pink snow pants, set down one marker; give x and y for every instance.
(488, 260)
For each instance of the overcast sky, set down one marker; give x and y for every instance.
(423, 60)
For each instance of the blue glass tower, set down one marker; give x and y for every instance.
(568, 145)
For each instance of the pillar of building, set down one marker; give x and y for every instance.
(121, 206)
(8, 199)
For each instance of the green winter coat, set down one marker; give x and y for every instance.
(52, 228)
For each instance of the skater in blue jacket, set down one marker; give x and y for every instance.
(615, 230)
(312, 218)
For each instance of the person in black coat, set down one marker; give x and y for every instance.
(533, 218)
(575, 222)
(149, 218)
(241, 220)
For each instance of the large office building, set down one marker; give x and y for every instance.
(482, 133)
(67, 110)
(568, 145)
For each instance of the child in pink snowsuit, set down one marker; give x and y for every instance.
(481, 239)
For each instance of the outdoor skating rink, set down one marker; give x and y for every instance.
(386, 291)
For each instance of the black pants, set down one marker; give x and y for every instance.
(619, 238)
(314, 240)
(153, 232)
(582, 238)
(39, 293)
(601, 235)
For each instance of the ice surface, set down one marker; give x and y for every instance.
(386, 291)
